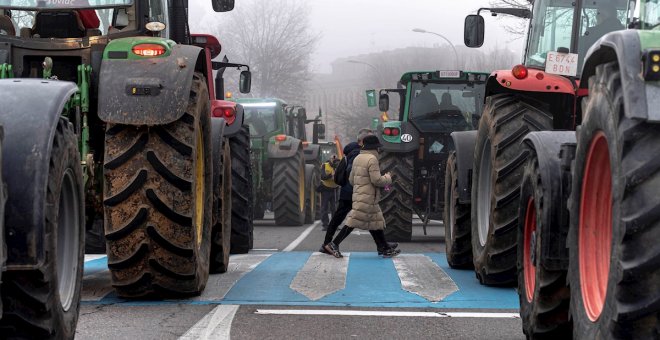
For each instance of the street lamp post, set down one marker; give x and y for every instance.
(419, 30)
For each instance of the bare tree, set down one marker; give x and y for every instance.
(275, 38)
(351, 116)
(519, 27)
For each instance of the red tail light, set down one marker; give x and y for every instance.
(228, 113)
(520, 71)
(395, 132)
(387, 131)
(149, 50)
(280, 138)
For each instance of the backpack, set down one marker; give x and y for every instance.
(341, 172)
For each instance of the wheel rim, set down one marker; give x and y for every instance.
(484, 190)
(68, 239)
(528, 252)
(301, 187)
(199, 188)
(595, 227)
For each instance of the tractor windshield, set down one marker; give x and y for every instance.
(260, 117)
(552, 27)
(445, 107)
(62, 4)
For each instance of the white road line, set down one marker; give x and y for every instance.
(215, 325)
(330, 312)
(322, 275)
(420, 275)
(91, 257)
(302, 237)
(264, 249)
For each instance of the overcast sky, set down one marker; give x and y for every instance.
(352, 27)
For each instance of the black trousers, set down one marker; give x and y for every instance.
(377, 235)
(343, 208)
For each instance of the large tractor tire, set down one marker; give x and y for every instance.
(289, 190)
(312, 198)
(222, 206)
(397, 203)
(499, 160)
(458, 228)
(544, 295)
(3, 200)
(259, 209)
(615, 225)
(44, 303)
(242, 229)
(158, 202)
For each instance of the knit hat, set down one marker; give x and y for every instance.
(371, 142)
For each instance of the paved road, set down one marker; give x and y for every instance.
(285, 289)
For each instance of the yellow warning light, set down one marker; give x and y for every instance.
(134, 90)
(656, 68)
(228, 95)
(656, 58)
(384, 117)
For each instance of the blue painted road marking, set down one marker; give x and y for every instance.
(371, 282)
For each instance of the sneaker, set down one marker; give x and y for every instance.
(332, 249)
(391, 252)
(392, 245)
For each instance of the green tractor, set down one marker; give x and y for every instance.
(110, 121)
(416, 146)
(578, 231)
(285, 165)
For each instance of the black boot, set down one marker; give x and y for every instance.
(392, 245)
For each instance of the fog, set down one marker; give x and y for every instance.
(353, 27)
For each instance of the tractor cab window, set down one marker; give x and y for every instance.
(552, 26)
(550, 29)
(651, 15)
(260, 118)
(598, 18)
(448, 107)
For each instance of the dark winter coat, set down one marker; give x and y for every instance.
(351, 150)
(366, 179)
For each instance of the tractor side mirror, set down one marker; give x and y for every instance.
(473, 31)
(245, 82)
(222, 5)
(384, 102)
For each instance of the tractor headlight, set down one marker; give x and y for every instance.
(651, 62)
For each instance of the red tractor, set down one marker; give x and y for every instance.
(563, 175)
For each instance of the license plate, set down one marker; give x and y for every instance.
(564, 64)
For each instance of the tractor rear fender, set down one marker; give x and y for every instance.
(407, 139)
(547, 146)
(503, 81)
(311, 153)
(283, 149)
(232, 126)
(641, 99)
(148, 91)
(31, 109)
(464, 143)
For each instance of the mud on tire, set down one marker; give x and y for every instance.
(158, 202)
(544, 300)
(40, 304)
(499, 159)
(457, 223)
(397, 203)
(222, 206)
(242, 229)
(289, 190)
(312, 198)
(630, 289)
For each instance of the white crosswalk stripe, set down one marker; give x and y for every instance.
(421, 276)
(219, 284)
(322, 275)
